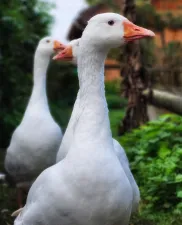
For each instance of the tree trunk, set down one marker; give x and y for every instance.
(134, 82)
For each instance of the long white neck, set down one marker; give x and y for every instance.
(70, 130)
(39, 96)
(93, 120)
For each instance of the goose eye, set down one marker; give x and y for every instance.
(48, 41)
(111, 22)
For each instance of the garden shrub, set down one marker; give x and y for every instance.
(115, 101)
(155, 153)
(113, 87)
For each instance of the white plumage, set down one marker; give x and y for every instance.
(89, 186)
(35, 142)
(69, 134)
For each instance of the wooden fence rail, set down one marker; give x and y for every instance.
(171, 102)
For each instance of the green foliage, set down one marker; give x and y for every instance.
(62, 83)
(113, 87)
(147, 48)
(173, 55)
(115, 116)
(94, 2)
(148, 16)
(110, 3)
(173, 21)
(62, 90)
(156, 218)
(155, 153)
(114, 100)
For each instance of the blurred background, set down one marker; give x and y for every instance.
(143, 89)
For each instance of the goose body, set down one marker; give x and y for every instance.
(71, 53)
(35, 142)
(88, 186)
(120, 152)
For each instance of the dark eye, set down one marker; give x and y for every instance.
(48, 41)
(111, 22)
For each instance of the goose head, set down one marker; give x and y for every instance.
(110, 30)
(107, 30)
(69, 53)
(48, 46)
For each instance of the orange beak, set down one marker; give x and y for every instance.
(65, 55)
(58, 46)
(133, 32)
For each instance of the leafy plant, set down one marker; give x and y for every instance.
(112, 87)
(115, 102)
(94, 2)
(173, 54)
(155, 153)
(115, 116)
(172, 21)
(147, 16)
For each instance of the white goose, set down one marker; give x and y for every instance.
(70, 54)
(35, 142)
(89, 186)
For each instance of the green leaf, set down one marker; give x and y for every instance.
(179, 205)
(178, 178)
(179, 194)
(163, 152)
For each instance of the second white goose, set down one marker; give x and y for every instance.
(35, 142)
